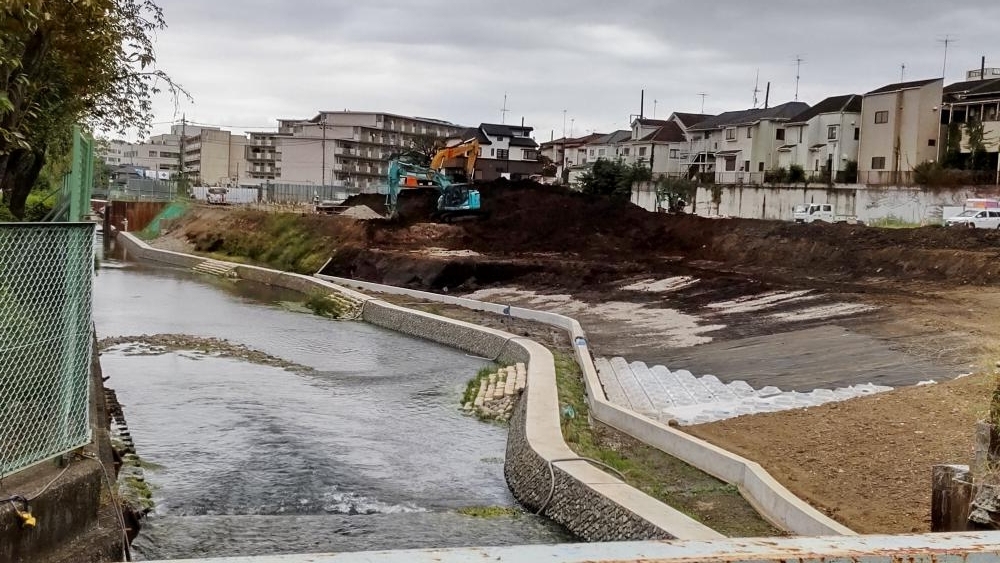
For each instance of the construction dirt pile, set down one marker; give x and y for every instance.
(527, 221)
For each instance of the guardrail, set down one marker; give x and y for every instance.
(46, 274)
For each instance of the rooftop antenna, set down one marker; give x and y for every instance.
(703, 96)
(756, 88)
(902, 72)
(564, 124)
(798, 71)
(504, 111)
(946, 41)
(654, 107)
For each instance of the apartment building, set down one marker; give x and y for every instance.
(215, 157)
(158, 157)
(342, 148)
(974, 100)
(900, 128)
(823, 138)
(740, 146)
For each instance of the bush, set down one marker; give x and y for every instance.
(676, 192)
(5, 215)
(779, 176)
(611, 178)
(796, 174)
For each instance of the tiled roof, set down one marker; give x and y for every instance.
(902, 86)
(497, 129)
(474, 133)
(523, 142)
(612, 138)
(691, 119)
(670, 132)
(654, 122)
(850, 103)
(747, 116)
(972, 89)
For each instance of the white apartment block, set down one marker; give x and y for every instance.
(342, 148)
(824, 137)
(215, 157)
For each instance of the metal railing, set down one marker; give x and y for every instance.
(144, 190)
(46, 273)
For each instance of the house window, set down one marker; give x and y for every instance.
(878, 163)
(503, 154)
(749, 132)
(493, 151)
(746, 166)
(152, 154)
(673, 153)
(882, 116)
(625, 151)
(831, 133)
(601, 152)
(800, 133)
(707, 135)
(730, 134)
(779, 134)
(642, 151)
(731, 164)
(528, 154)
(760, 167)
(591, 152)
(931, 142)
(857, 133)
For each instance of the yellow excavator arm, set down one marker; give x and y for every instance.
(468, 150)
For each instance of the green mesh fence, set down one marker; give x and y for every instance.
(46, 276)
(169, 213)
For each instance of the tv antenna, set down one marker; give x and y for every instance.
(946, 41)
(756, 88)
(798, 71)
(902, 72)
(504, 111)
(703, 96)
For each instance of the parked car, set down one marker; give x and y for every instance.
(217, 196)
(976, 219)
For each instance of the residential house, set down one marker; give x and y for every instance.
(610, 146)
(343, 148)
(900, 128)
(824, 138)
(505, 151)
(741, 146)
(567, 152)
(975, 100)
(651, 144)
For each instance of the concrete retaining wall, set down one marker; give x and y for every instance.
(589, 502)
(770, 498)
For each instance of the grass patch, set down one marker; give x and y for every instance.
(892, 222)
(490, 511)
(319, 304)
(691, 491)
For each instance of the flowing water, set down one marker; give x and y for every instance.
(368, 451)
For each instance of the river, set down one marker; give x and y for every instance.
(368, 451)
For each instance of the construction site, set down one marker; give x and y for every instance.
(869, 352)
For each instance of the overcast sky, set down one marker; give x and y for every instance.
(249, 62)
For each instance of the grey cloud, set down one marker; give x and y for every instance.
(248, 62)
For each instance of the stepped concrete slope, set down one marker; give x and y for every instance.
(679, 396)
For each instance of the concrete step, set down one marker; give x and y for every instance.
(680, 396)
(215, 268)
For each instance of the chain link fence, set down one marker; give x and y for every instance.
(46, 275)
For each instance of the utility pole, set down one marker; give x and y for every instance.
(946, 41)
(703, 96)
(181, 176)
(322, 126)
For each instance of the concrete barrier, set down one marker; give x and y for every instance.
(767, 495)
(541, 470)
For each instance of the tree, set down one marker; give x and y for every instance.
(613, 178)
(675, 192)
(427, 146)
(549, 168)
(61, 63)
(977, 144)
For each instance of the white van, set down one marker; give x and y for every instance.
(217, 196)
(976, 219)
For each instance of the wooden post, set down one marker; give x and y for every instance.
(951, 498)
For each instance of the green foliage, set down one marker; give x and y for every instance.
(935, 174)
(549, 168)
(779, 176)
(320, 303)
(796, 174)
(6, 216)
(676, 192)
(892, 222)
(977, 144)
(611, 178)
(38, 206)
(953, 157)
(61, 63)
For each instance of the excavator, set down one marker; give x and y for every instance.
(456, 200)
